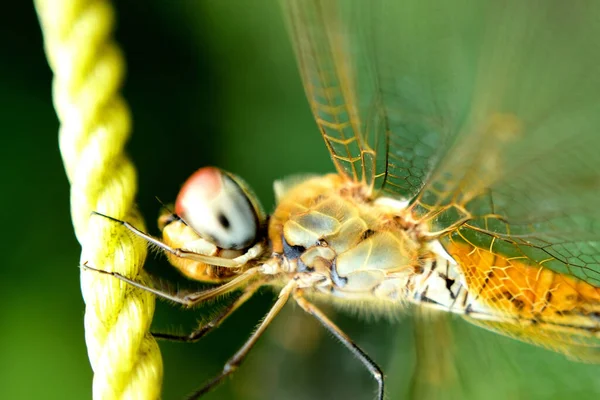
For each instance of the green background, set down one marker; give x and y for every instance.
(209, 83)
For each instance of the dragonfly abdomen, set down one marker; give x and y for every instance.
(524, 290)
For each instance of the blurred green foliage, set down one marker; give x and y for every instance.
(210, 82)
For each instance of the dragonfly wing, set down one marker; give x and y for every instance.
(322, 41)
(524, 166)
(486, 116)
(574, 346)
(515, 195)
(381, 78)
(434, 374)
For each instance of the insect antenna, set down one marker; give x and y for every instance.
(166, 207)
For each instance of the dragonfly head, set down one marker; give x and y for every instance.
(216, 219)
(220, 208)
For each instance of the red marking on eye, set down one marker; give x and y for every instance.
(204, 185)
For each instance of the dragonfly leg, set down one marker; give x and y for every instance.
(187, 300)
(204, 329)
(342, 337)
(181, 253)
(234, 362)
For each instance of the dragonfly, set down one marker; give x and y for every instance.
(465, 139)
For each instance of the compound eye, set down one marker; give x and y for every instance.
(219, 208)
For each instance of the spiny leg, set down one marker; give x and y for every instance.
(216, 321)
(234, 362)
(218, 261)
(188, 300)
(342, 337)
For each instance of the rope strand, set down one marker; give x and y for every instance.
(95, 125)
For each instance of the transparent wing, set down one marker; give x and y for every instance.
(485, 114)
(573, 345)
(524, 165)
(372, 86)
(487, 111)
(321, 42)
(435, 375)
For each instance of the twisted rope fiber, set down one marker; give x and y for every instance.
(95, 124)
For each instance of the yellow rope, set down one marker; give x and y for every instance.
(95, 124)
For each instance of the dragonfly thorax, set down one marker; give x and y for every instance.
(352, 246)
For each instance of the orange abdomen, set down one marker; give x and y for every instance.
(530, 291)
